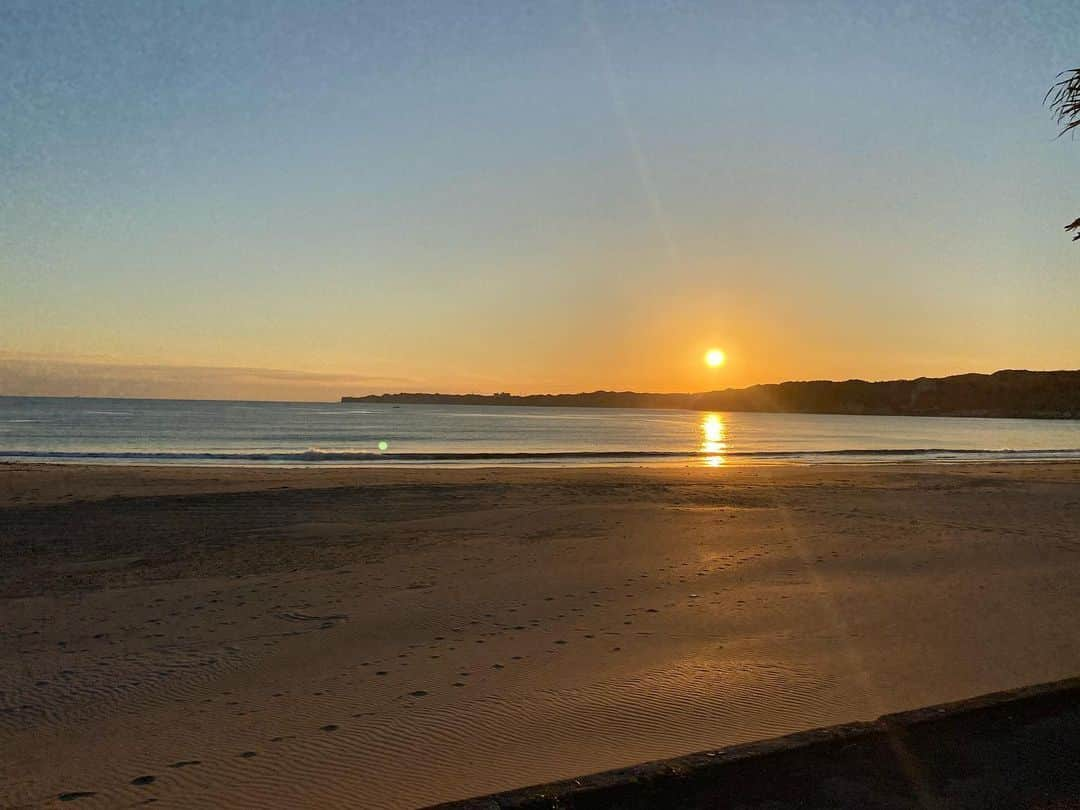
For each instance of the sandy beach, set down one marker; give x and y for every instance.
(259, 637)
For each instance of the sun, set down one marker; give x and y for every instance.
(714, 358)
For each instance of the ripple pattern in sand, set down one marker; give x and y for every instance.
(450, 751)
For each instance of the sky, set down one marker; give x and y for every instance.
(300, 200)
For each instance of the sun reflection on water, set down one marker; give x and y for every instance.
(713, 439)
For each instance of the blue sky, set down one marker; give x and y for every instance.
(532, 196)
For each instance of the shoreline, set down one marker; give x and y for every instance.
(538, 459)
(136, 479)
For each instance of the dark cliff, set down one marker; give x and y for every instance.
(1031, 394)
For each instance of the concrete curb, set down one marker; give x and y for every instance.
(1018, 748)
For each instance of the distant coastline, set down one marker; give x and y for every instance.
(1003, 394)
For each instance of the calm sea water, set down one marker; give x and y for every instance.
(176, 431)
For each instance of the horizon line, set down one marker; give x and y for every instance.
(339, 400)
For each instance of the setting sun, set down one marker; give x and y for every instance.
(714, 358)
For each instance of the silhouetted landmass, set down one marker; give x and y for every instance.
(1024, 394)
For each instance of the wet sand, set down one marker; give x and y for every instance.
(214, 637)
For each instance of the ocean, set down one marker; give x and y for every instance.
(279, 433)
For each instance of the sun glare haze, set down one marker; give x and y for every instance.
(301, 199)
